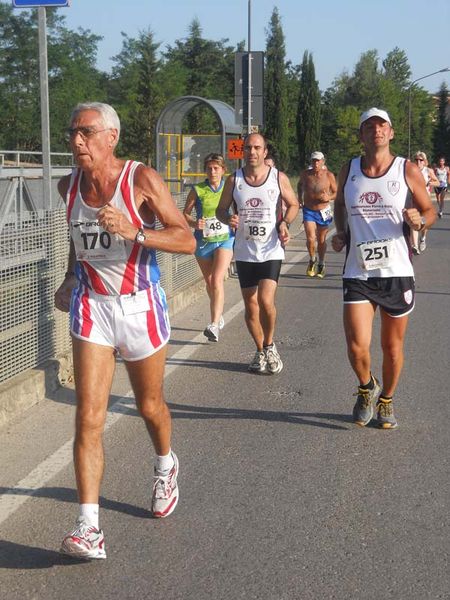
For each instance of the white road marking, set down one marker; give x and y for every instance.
(13, 499)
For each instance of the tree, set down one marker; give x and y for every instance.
(206, 68)
(19, 80)
(276, 114)
(72, 77)
(136, 91)
(397, 69)
(441, 132)
(308, 112)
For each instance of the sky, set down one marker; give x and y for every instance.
(336, 32)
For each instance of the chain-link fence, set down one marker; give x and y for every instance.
(34, 246)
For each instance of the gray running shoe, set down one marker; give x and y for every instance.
(212, 332)
(363, 409)
(422, 245)
(385, 414)
(274, 362)
(259, 363)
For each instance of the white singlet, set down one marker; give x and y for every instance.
(259, 210)
(377, 233)
(118, 301)
(106, 263)
(442, 175)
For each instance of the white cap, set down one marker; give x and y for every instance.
(317, 156)
(374, 112)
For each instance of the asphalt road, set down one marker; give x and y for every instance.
(281, 496)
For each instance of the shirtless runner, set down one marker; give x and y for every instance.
(316, 190)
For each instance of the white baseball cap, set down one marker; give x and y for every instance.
(317, 156)
(374, 112)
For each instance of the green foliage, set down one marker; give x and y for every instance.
(397, 69)
(308, 124)
(203, 68)
(276, 91)
(441, 133)
(136, 93)
(72, 77)
(386, 88)
(144, 79)
(19, 79)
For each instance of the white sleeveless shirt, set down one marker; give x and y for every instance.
(378, 237)
(106, 263)
(259, 210)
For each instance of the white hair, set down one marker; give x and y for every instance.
(109, 116)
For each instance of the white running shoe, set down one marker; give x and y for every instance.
(165, 491)
(221, 322)
(422, 245)
(259, 363)
(274, 362)
(85, 541)
(212, 332)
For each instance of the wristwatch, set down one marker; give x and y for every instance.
(140, 236)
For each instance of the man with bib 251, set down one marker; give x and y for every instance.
(256, 192)
(214, 239)
(316, 190)
(116, 306)
(380, 198)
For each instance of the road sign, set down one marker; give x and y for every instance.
(235, 148)
(34, 3)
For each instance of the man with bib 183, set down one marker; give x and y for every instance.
(256, 192)
(380, 198)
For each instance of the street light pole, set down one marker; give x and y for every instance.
(249, 75)
(409, 102)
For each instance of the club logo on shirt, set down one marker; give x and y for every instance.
(370, 197)
(253, 202)
(393, 187)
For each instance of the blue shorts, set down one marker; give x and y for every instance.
(207, 249)
(316, 217)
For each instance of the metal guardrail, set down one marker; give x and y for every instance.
(17, 158)
(34, 245)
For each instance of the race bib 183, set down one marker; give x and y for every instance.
(258, 231)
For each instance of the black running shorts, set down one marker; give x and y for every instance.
(395, 295)
(251, 273)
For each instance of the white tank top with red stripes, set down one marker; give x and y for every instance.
(106, 263)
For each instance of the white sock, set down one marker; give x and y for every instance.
(90, 512)
(164, 463)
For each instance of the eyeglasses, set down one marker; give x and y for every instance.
(419, 160)
(85, 132)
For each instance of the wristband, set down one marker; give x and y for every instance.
(282, 221)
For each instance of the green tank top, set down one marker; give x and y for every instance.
(207, 202)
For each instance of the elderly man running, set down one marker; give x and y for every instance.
(116, 306)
